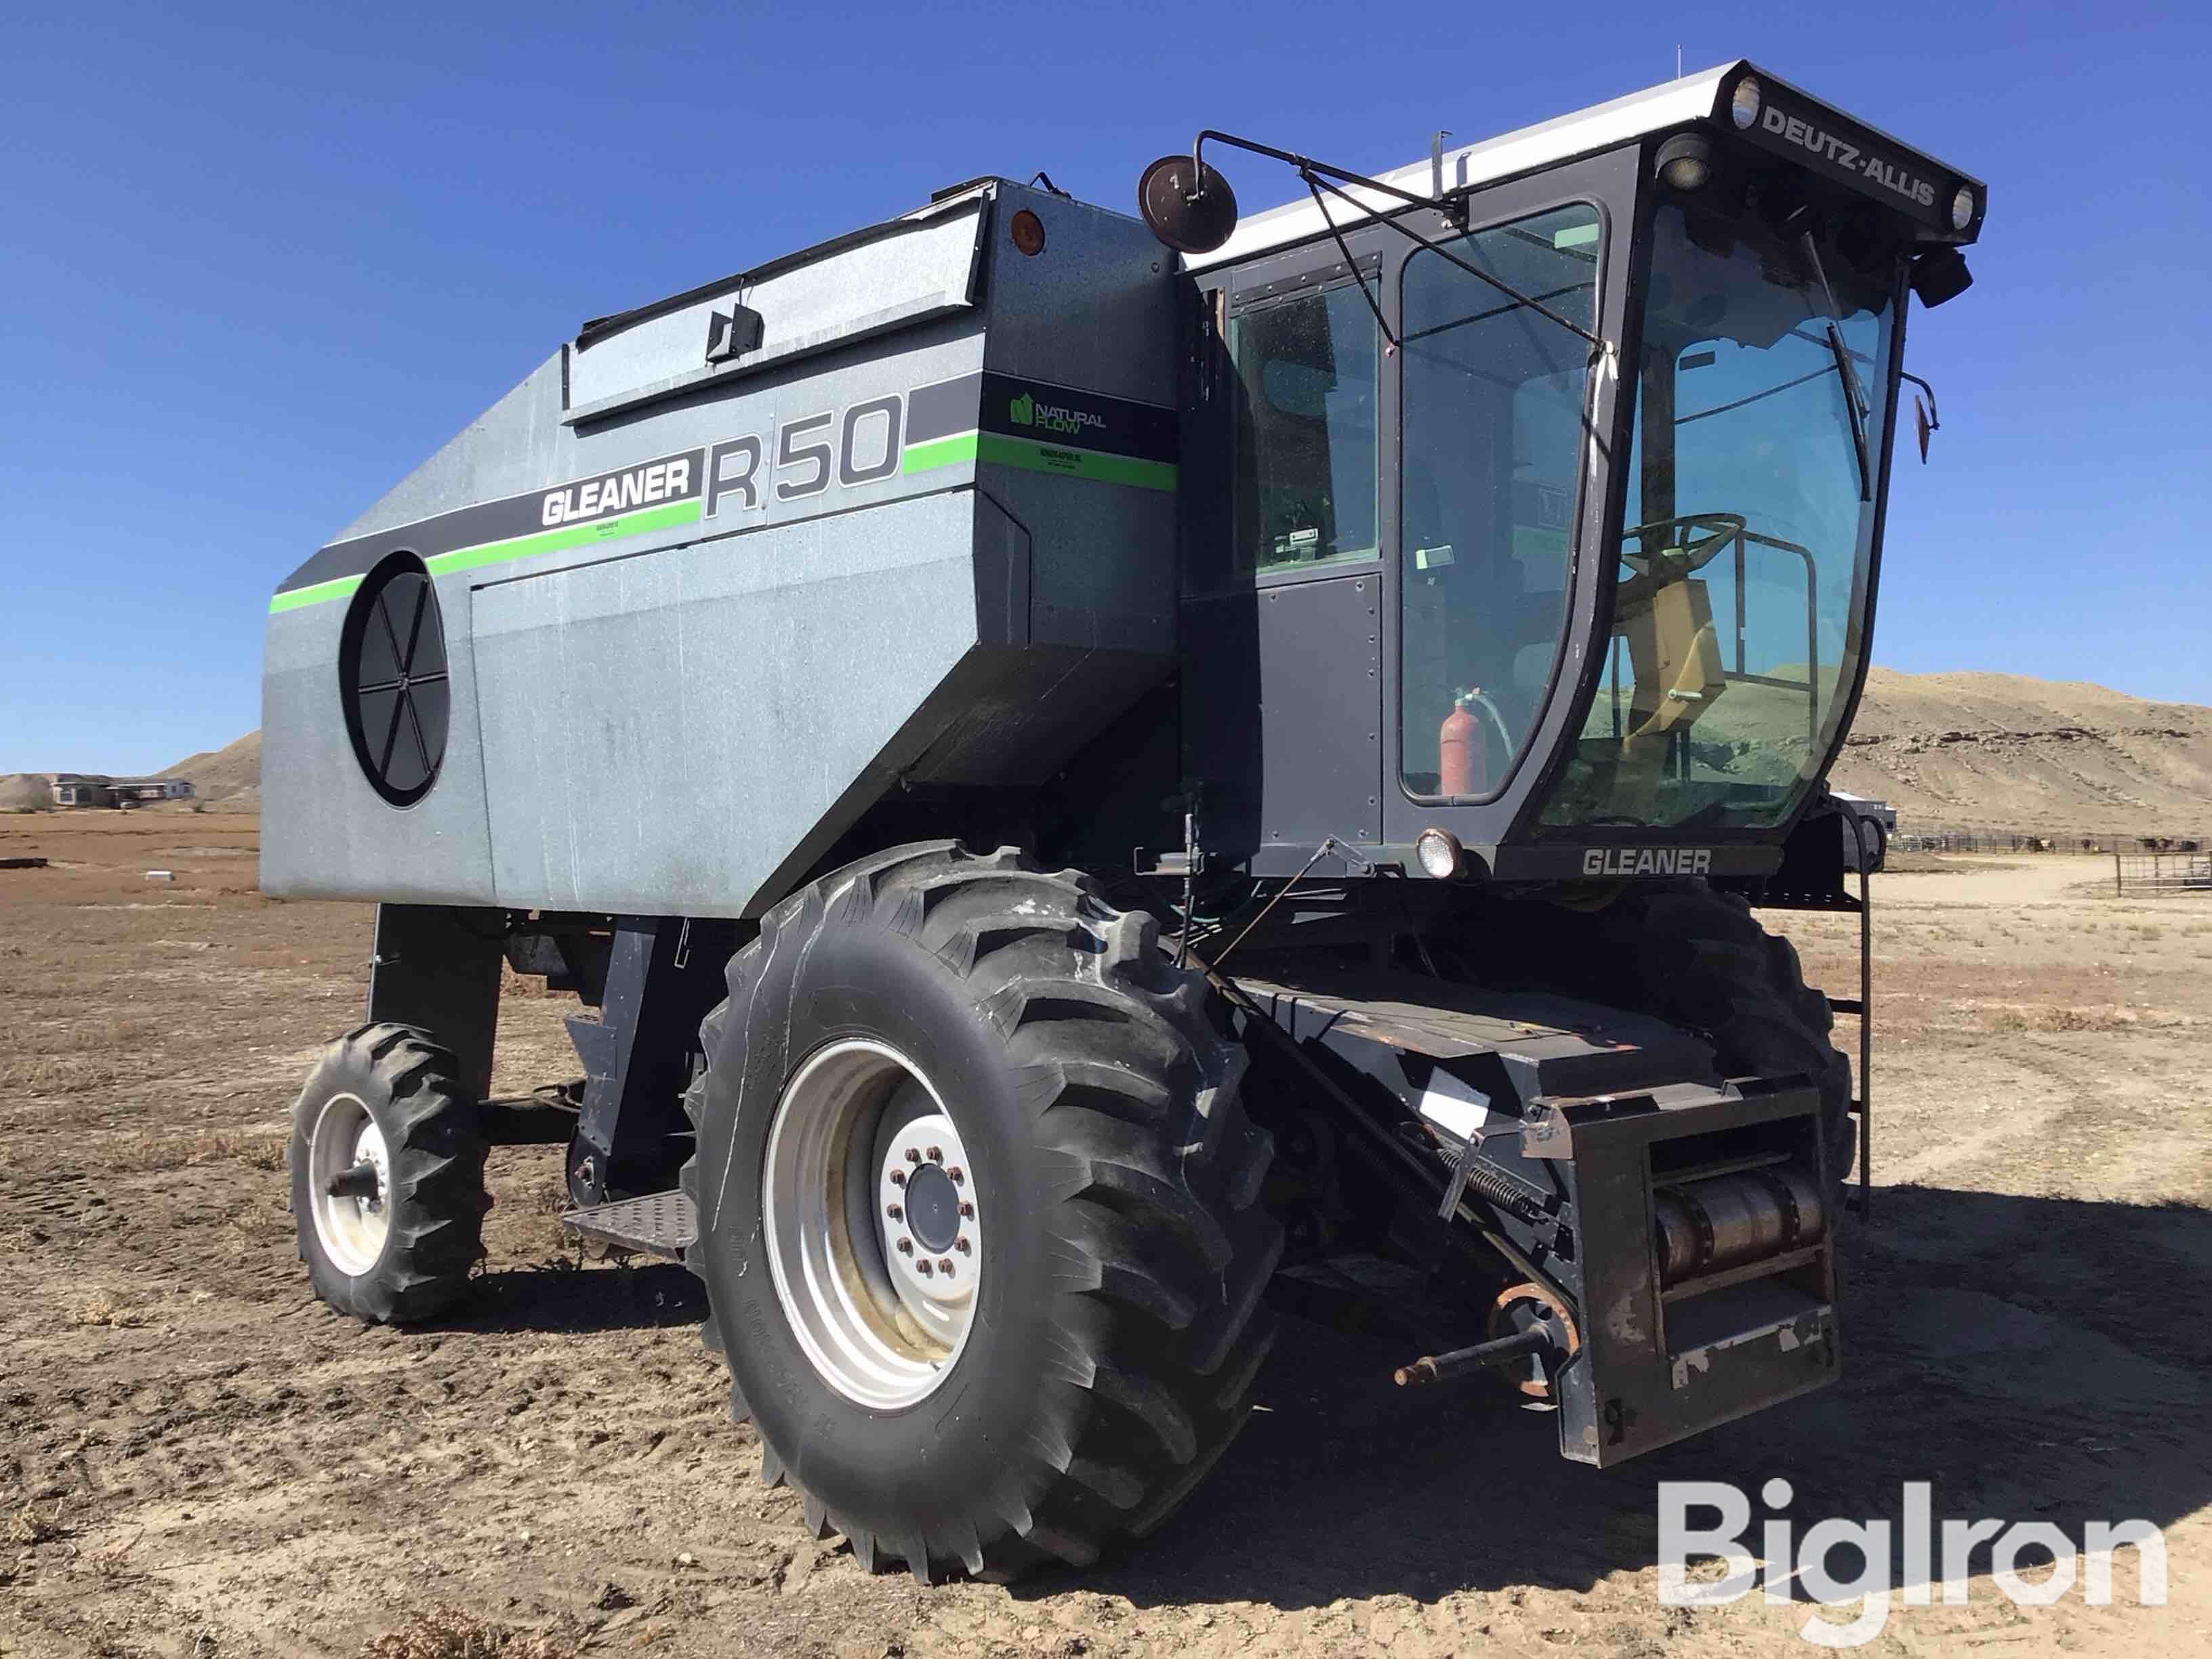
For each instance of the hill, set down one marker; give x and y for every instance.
(26, 792)
(2004, 749)
(1954, 748)
(229, 776)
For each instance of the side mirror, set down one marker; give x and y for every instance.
(1187, 205)
(1924, 420)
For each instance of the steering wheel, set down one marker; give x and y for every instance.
(1703, 535)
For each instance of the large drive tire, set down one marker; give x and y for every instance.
(1112, 1258)
(387, 1097)
(1697, 957)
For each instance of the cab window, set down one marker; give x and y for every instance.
(1305, 393)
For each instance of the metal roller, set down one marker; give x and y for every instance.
(1708, 1227)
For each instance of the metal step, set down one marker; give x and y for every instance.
(661, 1224)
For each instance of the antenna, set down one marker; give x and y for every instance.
(1678, 63)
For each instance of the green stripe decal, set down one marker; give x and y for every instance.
(575, 535)
(1031, 456)
(938, 452)
(336, 589)
(516, 547)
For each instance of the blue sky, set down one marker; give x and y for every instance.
(255, 263)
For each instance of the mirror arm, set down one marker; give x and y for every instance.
(1318, 176)
(1351, 265)
(1924, 413)
(1934, 424)
(1305, 164)
(1506, 288)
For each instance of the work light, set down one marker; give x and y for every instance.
(1743, 108)
(1438, 852)
(1685, 162)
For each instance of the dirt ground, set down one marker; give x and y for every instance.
(195, 1459)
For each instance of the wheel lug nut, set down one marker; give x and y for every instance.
(898, 1178)
(937, 1155)
(906, 1247)
(894, 1211)
(958, 1174)
(944, 1266)
(962, 1245)
(967, 1212)
(912, 1156)
(925, 1269)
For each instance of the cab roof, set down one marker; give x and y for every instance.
(1694, 97)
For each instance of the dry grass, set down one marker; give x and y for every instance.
(256, 1152)
(173, 1148)
(450, 1633)
(2048, 1018)
(59, 1074)
(512, 984)
(103, 1308)
(61, 1056)
(27, 1526)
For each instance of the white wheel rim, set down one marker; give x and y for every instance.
(869, 1211)
(352, 1230)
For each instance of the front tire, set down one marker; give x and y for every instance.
(385, 1115)
(1088, 1357)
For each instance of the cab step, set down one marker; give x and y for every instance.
(659, 1223)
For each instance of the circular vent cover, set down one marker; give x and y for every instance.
(391, 679)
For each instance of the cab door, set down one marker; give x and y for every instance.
(1506, 424)
(1288, 515)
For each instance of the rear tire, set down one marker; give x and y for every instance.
(1116, 1252)
(388, 1097)
(1874, 836)
(1699, 958)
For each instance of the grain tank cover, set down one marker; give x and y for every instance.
(896, 510)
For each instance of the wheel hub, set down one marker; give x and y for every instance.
(933, 1208)
(353, 1222)
(874, 1239)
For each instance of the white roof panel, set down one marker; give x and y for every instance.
(1691, 98)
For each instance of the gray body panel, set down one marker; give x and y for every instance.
(675, 705)
(654, 728)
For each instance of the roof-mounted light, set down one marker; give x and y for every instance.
(1962, 208)
(1743, 108)
(1685, 162)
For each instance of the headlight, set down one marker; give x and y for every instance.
(1438, 852)
(1962, 209)
(1743, 108)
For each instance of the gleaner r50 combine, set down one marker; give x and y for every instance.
(1101, 777)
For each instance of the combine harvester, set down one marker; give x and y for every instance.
(1100, 776)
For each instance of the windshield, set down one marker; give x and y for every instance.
(1738, 606)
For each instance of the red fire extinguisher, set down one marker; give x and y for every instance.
(1462, 751)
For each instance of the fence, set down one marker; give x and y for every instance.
(1984, 838)
(2162, 873)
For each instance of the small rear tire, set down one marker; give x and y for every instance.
(385, 1116)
